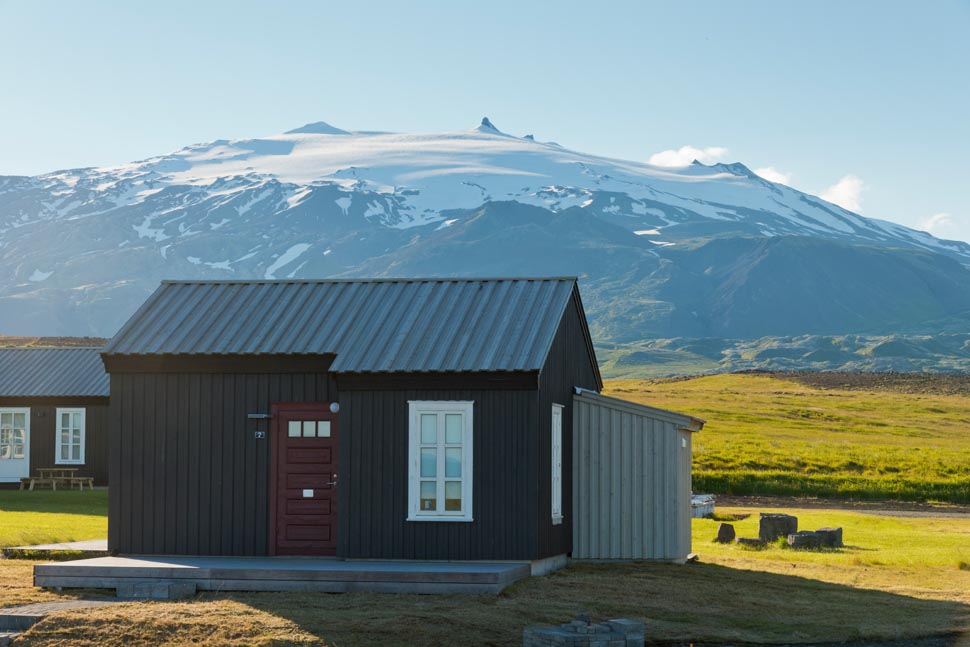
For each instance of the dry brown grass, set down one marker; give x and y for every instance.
(696, 602)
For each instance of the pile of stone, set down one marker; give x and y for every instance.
(771, 526)
(582, 632)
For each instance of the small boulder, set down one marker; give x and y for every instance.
(773, 525)
(725, 533)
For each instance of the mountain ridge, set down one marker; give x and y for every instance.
(695, 251)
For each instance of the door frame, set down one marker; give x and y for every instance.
(275, 408)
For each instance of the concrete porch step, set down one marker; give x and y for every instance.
(22, 618)
(283, 574)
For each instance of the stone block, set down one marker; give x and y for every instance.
(804, 539)
(750, 541)
(155, 590)
(773, 525)
(830, 537)
(725, 533)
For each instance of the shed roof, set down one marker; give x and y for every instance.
(682, 420)
(370, 325)
(52, 372)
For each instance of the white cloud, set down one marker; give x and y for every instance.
(847, 193)
(936, 222)
(687, 154)
(772, 174)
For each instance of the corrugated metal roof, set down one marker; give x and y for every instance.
(52, 372)
(374, 325)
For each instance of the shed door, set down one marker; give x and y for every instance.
(304, 494)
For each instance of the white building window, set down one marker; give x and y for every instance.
(440, 461)
(14, 427)
(556, 463)
(70, 437)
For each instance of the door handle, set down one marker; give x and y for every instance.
(334, 481)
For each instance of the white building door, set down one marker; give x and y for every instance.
(14, 444)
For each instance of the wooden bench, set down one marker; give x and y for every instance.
(49, 479)
(81, 481)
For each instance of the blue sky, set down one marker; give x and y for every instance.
(867, 103)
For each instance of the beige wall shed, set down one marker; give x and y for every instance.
(631, 480)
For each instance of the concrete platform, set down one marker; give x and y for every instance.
(298, 574)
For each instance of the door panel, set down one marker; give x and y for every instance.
(304, 496)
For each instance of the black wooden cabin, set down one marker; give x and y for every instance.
(391, 419)
(53, 412)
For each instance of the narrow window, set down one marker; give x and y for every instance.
(440, 461)
(70, 437)
(14, 428)
(556, 463)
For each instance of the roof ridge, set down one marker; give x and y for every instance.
(2, 348)
(422, 279)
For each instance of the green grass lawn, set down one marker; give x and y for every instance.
(44, 516)
(772, 436)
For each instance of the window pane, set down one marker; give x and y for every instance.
(64, 452)
(293, 429)
(65, 436)
(65, 420)
(309, 429)
(429, 429)
(453, 495)
(18, 451)
(19, 420)
(6, 420)
(19, 436)
(4, 452)
(76, 453)
(453, 462)
(5, 435)
(76, 419)
(429, 495)
(453, 429)
(429, 462)
(77, 436)
(323, 429)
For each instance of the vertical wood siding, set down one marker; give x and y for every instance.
(188, 476)
(567, 366)
(373, 490)
(631, 494)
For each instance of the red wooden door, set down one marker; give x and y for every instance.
(303, 504)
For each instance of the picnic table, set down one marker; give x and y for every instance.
(53, 476)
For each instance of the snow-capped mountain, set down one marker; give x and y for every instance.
(693, 250)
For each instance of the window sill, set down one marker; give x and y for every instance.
(557, 521)
(441, 518)
(68, 462)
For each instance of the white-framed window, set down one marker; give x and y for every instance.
(440, 461)
(14, 432)
(556, 463)
(70, 437)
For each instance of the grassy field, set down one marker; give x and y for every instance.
(767, 435)
(897, 578)
(43, 516)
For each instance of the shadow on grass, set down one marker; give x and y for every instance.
(88, 502)
(679, 604)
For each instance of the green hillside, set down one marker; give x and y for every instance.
(850, 436)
